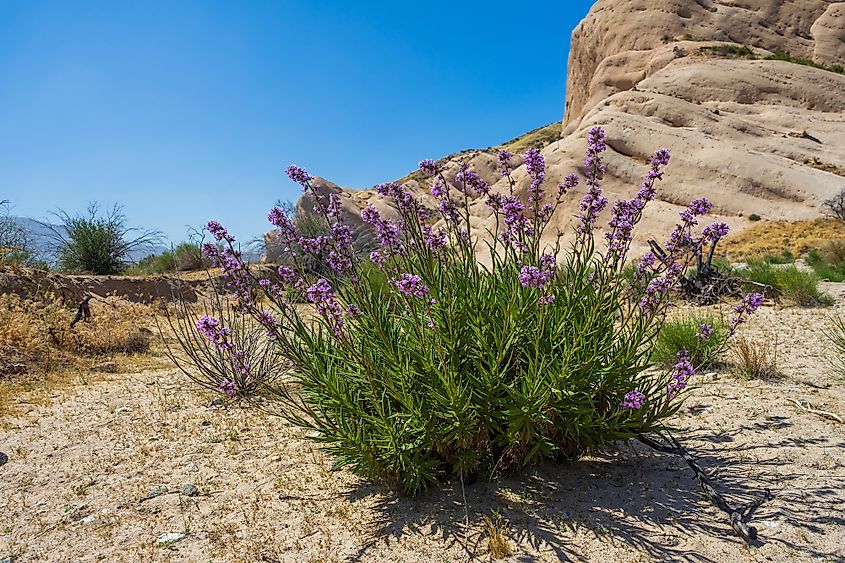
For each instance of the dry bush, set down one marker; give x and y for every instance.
(116, 326)
(36, 333)
(755, 360)
(773, 237)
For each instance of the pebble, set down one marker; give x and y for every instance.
(189, 490)
(157, 492)
(8, 559)
(3, 460)
(170, 537)
(191, 468)
(122, 410)
(88, 520)
(216, 402)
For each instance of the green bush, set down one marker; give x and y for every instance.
(837, 68)
(785, 257)
(455, 368)
(98, 244)
(828, 264)
(186, 257)
(789, 282)
(686, 332)
(729, 51)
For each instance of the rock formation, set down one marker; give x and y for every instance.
(756, 136)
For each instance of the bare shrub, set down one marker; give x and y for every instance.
(835, 206)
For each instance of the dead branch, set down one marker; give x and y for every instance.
(739, 515)
(808, 406)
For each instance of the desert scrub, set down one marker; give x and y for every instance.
(755, 359)
(728, 51)
(117, 326)
(701, 336)
(35, 334)
(220, 349)
(798, 286)
(454, 368)
(829, 262)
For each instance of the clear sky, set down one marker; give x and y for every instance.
(188, 110)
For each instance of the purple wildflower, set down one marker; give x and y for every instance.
(411, 285)
(321, 294)
(228, 387)
(219, 232)
(298, 175)
(705, 331)
(715, 231)
(749, 304)
(535, 165)
(429, 167)
(594, 202)
(634, 400)
(681, 374)
(214, 331)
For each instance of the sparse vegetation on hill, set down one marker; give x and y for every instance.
(775, 237)
(186, 257)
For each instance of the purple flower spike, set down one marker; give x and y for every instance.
(411, 285)
(298, 175)
(681, 374)
(219, 232)
(634, 400)
(429, 167)
(705, 331)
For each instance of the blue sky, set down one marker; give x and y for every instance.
(185, 111)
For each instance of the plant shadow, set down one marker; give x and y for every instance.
(648, 501)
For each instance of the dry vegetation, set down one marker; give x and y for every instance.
(773, 237)
(39, 347)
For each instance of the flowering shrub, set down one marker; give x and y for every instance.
(457, 368)
(221, 350)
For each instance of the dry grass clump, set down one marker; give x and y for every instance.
(773, 237)
(495, 529)
(755, 360)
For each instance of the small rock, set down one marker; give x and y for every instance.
(205, 423)
(170, 537)
(4, 459)
(88, 520)
(217, 402)
(107, 367)
(189, 490)
(191, 468)
(157, 492)
(8, 559)
(122, 410)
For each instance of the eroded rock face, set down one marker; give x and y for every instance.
(756, 136)
(811, 29)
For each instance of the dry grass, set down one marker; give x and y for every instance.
(773, 237)
(496, 529)
(755, 360)
(39, 349)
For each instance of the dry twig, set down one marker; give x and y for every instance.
(739, 515)
(808, 406)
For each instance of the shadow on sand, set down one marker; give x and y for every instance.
(634, 496)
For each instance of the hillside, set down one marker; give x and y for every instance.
(752, 128)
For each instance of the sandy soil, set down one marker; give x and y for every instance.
(96, 475)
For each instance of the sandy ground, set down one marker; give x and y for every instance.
(96, 473)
